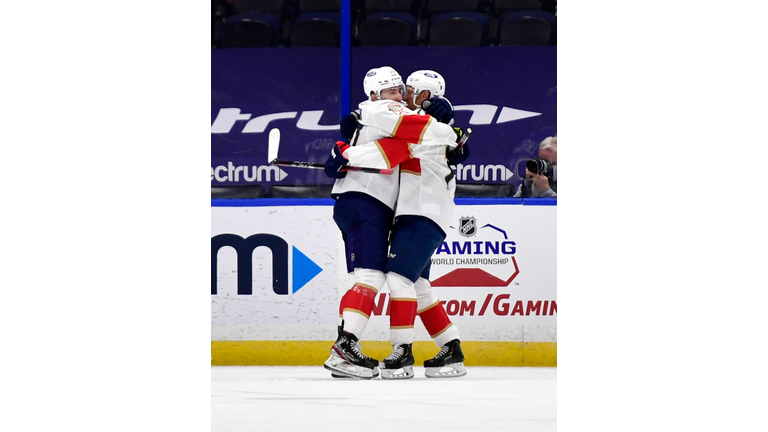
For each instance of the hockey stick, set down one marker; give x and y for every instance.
(274, 146)
(464, 138)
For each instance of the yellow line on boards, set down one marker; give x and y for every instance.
(298, 353)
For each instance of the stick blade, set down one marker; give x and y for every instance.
(274, 144)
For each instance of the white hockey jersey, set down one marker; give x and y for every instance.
(418, 146)
(382, 187)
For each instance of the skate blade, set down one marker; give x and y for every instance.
(338, 375)
(454, 370)
(339, 366)
(393, 374)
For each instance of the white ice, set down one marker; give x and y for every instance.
(307, 399)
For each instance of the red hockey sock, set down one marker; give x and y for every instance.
(402, 312)
(358, 299)
(435, 319)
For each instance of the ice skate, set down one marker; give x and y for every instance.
(340, 330)
(334, 374)
(448, 363)
(346, 359)
(338, 375)
(399, 364)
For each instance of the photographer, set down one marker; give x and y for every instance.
(541, 174)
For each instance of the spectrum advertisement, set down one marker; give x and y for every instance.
(506, 94)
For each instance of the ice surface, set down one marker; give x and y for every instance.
(307, 399)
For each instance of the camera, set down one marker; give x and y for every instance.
(539, 166)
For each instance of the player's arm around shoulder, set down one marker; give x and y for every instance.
(425, 130)
(382, 153)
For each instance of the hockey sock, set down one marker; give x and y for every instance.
(356, 306)
(357, 303)
(402, 311)
(433, 315)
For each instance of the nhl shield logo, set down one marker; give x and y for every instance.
(467, 226)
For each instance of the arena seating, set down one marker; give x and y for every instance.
(302, 23)
(388, 29)
(410, 6)
(528, 28)
(316, 29)
(253, 29)
(458, 29)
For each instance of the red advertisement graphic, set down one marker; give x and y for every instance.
(474, 277)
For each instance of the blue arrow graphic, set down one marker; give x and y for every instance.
(304, 269)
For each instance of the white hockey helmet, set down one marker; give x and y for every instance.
(426, 80)
(378, 79)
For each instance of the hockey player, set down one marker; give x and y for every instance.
(428, 85)
(423, 213)
(364, 209)
(425, 85)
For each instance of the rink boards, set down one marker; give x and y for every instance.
(278, 274)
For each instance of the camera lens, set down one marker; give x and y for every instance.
(538, 166)
(533, 166)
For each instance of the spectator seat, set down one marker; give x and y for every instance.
(389, 5)
(527, 28)
(316, 29)
(253, 29)
(266, 6)
(305, 6)
(388, 29)
(436, 6)
(459, 29)
(501, 6)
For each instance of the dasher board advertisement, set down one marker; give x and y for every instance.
(277, 273)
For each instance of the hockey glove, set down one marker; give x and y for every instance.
(349, 124)
(456, 157)
(440, 109)
(336, 161)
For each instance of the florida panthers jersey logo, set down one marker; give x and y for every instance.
(396, 108)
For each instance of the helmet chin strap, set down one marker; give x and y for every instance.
(415, 95)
